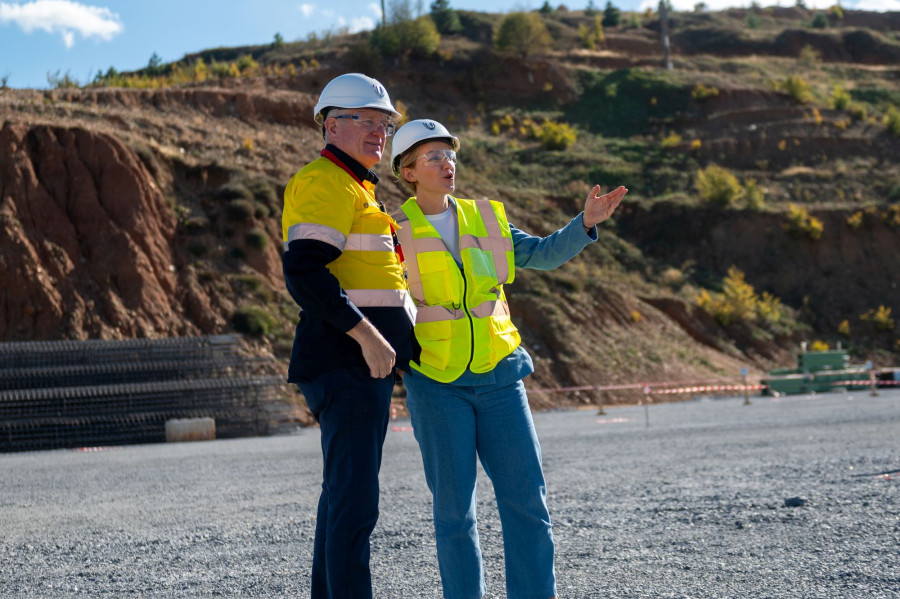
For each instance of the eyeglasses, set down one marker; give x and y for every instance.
(437, 157)
(369, 125)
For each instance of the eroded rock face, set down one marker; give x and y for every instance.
(85, 239)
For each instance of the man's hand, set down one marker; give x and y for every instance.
(598, 208)
(377, 352)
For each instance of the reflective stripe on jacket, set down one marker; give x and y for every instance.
(316, 208)
(462, 316)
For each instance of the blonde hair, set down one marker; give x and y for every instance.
(407, 160)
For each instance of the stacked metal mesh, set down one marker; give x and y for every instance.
(65, 394)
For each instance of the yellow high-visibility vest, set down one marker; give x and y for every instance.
(325, 202)
(462, 317)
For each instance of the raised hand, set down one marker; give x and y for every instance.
(598, 208)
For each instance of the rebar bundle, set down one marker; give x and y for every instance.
(63, 394)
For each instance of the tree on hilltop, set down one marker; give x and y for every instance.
(612, 16)
(446, 19)
(523, 34)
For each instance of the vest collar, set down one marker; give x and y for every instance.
(350, 164)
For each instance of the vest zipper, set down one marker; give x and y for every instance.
(465, 308)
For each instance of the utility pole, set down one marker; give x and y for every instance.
(664, 32)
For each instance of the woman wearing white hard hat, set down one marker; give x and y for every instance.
(464, 383)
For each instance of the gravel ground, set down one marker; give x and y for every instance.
(796, 497)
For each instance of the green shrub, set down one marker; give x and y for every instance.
(800, 223)
(246, 283)
(523, 34)
(239, 211)
(223, 70)
(555, 136)
(752, 21)
(858, 111)
(882, 319)
(196, 225)
(256, 239)
(856, 220)
(419, 37)
(261, 211)
(672, 140)
(263, 191)
(253, 320)
(840, 98)
(892, 121)
(673, 277)
(235, 191)
(844, 328)
(809, 56)
(796, 87)
(701, 93)
(769, 309)
(754, 195)
(891, 216)
(739, 302)
(820, 21)
(717, 185)
(247, 65)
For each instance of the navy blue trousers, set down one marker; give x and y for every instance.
(353, 411)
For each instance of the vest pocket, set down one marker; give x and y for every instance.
(504, 338)
(434, 339)
(437, 278)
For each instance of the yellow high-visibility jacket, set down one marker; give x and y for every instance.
(340, 265)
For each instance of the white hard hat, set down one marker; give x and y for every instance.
(354, 90)
(414, 133)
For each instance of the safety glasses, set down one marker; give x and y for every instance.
(369, 125)
(437, 157)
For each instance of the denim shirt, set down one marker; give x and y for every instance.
(538, 253)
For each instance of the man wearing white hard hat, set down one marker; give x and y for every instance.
(464, 385)
(355, 321)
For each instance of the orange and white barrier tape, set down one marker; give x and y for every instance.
(707, 388)
(655, 388)
(864, 383)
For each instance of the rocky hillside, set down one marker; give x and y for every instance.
(155, 210)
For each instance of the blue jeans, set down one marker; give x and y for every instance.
(453, 424)
(353, 411)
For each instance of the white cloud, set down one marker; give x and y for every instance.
(63, 17)
(361, 24)
(307, 9)
(879, 5)
(376, 9)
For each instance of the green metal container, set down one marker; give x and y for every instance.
(813, 361)
(817, 371)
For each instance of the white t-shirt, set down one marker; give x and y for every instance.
(446, 224)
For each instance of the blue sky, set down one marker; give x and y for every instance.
(82, 37)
